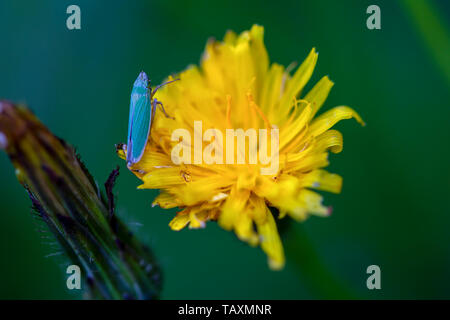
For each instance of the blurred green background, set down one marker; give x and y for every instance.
(393, 211)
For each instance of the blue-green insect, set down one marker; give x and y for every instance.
(142, 111)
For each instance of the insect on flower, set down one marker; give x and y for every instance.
(142, 111)
(234, 89)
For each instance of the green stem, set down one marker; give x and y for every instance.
(114, 263)
(310, 268)
(431, 27)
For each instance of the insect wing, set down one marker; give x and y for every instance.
(138, 127)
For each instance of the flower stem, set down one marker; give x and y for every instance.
(431, 26)
(64, 195)
(312, 271)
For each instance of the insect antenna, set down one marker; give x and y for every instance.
(161, 85)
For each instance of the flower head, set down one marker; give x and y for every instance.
(236, 87)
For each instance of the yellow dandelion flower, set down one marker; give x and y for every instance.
(236, 87)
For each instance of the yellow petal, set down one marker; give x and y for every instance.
(314, 161)
(265, 188)
(271, 92)
(282, 214)
(244, 229)
(293, 130)
(243, 63)
(271, 242)
(323, 180)
(230, 37)
(282, 194)
(165, 200)
(195, 221)
(330, 140)
(233, 206)
(298, 81)
(258, 209)
(260, 58)
(313, 203)
(246, 180)
(328, 119)
(121, 152)
(154, 160)
(179, 222)
(306, 202)
(319, 94)
(162, 178)
(203, 189)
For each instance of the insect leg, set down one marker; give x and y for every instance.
(156, 102)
